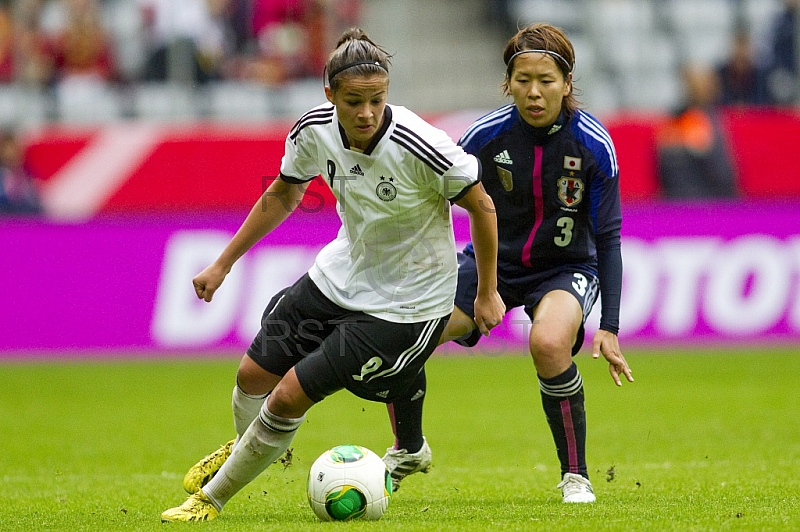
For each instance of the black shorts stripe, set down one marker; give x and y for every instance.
(591, 296)
(415, 151)
(332, 348)
(411, 353)
(410, 133)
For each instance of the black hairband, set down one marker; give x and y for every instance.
(558, 56)
(355, 63)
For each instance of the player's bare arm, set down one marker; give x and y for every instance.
(607, 343)
(276, 204)
(489, 306)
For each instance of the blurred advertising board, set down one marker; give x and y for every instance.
(702, 273)
(145, 168)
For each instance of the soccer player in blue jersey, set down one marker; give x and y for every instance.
(552, 173)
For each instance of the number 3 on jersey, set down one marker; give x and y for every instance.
(566, 224)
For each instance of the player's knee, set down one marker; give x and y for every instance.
(544, 345)
(280, 402)
(253, 379)
(288, 400)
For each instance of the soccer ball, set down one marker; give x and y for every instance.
(349, 482)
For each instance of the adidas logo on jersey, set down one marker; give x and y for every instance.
(503, 158)
(357, 170)
(383, 395)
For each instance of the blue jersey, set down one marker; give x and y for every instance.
(556, 192)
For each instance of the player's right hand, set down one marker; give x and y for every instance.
(206, 282)
(489, 311)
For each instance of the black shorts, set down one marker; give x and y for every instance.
(333, 348)
(527, 291)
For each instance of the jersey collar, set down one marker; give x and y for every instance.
(542, 133)
(387, 120)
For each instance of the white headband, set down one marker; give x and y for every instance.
(554, 54)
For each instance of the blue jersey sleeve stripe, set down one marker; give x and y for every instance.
(607, 164)
(596, 126)
(487, 117)
(497, 116)
(602, 131)
(596, 131)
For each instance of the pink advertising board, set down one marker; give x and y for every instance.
(719, 273)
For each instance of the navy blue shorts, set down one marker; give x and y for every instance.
(332, 348)
(525, 291)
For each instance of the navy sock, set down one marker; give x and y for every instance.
(562, 399)
(405, 414)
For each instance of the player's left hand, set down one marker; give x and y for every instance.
(489, 311)
(607, 343)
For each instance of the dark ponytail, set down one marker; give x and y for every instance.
(355, 55)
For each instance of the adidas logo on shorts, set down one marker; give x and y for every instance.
(503, 158)
(383, 395)
(357, 170)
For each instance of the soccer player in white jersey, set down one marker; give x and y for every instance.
(371, 310)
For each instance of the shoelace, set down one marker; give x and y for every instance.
(216, 455)
(573, 485)
(195, 505)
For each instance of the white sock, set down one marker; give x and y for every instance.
(245, 409)
(262, 443)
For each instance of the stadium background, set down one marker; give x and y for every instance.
(142, 181)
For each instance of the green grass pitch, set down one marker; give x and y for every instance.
(701, 441)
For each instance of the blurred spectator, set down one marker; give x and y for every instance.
(693, 156)
(278, 27)
(288, 39)
(188, 39)
(6, 43)
(18, 194)
(48, 42)
(499, 16)
(783, 70)
(33, 60)
(82, 49)
(742, 80)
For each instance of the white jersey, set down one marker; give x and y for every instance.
(395, 256)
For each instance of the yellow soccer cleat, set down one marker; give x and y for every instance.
(204, 470)
(197, 507)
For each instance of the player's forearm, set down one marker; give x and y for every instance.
(609, 268)
(483, 231)
(277, 203)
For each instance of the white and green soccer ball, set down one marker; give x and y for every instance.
(349, 482)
